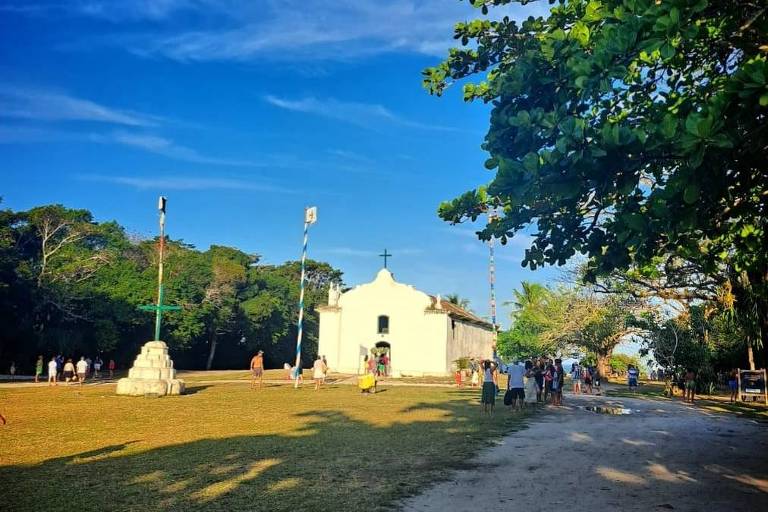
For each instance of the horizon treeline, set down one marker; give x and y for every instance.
(70, 285)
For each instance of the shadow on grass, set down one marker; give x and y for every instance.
(330, 462)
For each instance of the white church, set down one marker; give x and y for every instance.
(423, 334)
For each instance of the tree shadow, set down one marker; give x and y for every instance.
(331, 462)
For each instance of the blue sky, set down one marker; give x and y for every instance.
(242, 113)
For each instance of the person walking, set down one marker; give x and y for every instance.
(576, 378)
(12, 369)
(69, 371)
(97, 363)
(112, 366)
(318, 372)
(257, 369)
(59, 366)
(39, 368)
(52, 372)
(488, 393)
(327, 370)
(82, 370)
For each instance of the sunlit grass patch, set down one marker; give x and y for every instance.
(228, 447)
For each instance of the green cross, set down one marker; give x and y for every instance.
(158, 309)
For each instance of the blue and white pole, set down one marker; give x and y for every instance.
(310, 216)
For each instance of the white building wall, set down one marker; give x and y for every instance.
(465, 339)
(417, 339)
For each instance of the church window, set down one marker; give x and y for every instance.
(383, 324)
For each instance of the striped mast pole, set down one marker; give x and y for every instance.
(492, 277)
(310, 216)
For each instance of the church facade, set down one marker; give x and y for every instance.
(423, 334)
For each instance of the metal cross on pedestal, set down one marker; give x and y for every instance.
(385, 256)
(160, 307)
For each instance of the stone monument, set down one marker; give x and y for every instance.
(152, 372)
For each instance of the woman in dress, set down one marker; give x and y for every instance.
(318, 372)
(531, 389)
(488, 396)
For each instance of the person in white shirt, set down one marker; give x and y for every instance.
(82, 370)
(515, 395)
(52, 370)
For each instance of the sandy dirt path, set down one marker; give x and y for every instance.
(663, 456)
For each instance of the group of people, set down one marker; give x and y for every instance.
(319, 371)
(585, 379)
(532, 381)
(376, 364)
(68, 371)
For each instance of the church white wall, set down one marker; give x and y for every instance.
(417, 338)
(465, 339)
(329, 339)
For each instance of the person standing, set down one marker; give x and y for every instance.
(531, 393)
(59, 366)
(318, 372)
(52, 372)
(690, 385)
(587, 376)
(576, 377)
(82, 370)
(39, 368)
(538, 376)
(632, 377)
(112, 366)
(372, 364)
(257, 369)
(488, 393)
(733, 384)
(13, 370)
(97, 367)
(515, 394)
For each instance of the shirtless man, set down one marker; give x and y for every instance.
(257, 369)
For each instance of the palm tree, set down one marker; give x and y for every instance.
(455, 298)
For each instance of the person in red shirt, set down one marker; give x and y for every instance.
(112, 365)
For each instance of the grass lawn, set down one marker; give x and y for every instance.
(226, 447)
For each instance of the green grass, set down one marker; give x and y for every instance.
(227, 447)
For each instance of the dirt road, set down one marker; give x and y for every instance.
(662, 456)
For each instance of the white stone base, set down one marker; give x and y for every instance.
(152, 373)
(141, 387)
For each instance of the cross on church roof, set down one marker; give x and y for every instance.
(385, 256)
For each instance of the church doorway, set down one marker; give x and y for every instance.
(383, 353)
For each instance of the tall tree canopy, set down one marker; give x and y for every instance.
(630, 131)
(71, 285)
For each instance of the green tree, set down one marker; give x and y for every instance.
(625, 130)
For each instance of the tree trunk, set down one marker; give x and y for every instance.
(750, 355)
(604, 365)
(211, 352)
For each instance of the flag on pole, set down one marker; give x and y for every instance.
(310, 215)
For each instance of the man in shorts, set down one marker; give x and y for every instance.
(257, 369)
(82, 370)
(515, 395)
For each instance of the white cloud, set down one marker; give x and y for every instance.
(46, 105)
(365, 115)
(167, 148)
(297, 30)
(170, 182)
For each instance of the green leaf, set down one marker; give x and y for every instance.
(691, 193)
(580, 32)
(764, 100)
(531, 162)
